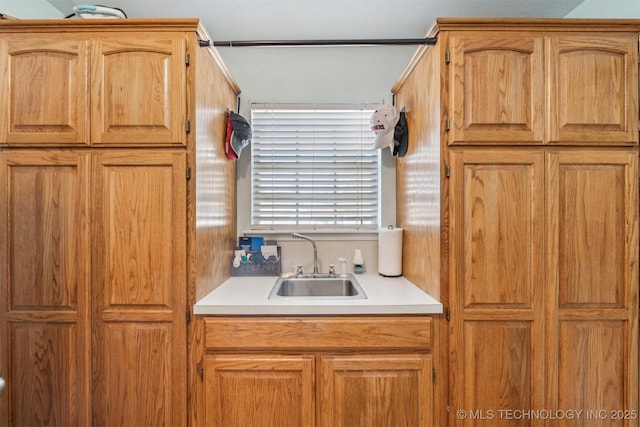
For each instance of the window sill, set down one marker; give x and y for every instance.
(318, 234)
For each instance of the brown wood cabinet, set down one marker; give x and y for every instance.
(593, 87)
(528, 131)
(375, 390)
(592, 280)
(138, 90)
(318, 371)
(45, 259)
(139, 287)
(513, 213)
(263, 390)
(137, 87)
(50, 73)
(497, 250)
(499, 84)
(99, 207)
(496, 88)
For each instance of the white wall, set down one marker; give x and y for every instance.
(601, 9)
(33, 9)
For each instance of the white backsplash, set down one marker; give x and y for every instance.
(301, 252)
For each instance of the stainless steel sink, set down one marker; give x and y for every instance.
(317, 286)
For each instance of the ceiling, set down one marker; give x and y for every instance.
(325, 19)
(322, 74)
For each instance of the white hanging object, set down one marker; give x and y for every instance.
(90, 11)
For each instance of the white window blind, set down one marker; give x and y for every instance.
(313, 168)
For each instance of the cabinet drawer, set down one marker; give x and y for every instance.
(318, 333)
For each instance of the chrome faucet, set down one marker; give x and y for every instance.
(332, 270)
(315, 250)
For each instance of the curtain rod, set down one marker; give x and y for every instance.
(430, 41)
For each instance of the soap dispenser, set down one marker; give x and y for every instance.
(358, 262)
(343, 266)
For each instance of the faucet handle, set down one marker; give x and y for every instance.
(299, 269)
(332, 269)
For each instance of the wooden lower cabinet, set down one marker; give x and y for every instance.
(139, 339)
(260, 390)
(44, 288)
(497, 312)
(592, 284)
(328, 390)
(375, 390)
(92, 290)
(544, 311)
(296, 383)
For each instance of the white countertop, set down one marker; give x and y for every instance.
(250, 296)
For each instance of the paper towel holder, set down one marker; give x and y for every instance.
(390, 262)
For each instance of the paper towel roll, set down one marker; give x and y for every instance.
(390, 252)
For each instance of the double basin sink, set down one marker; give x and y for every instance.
(317, 286)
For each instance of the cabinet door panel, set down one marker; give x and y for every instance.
(139, 91)
(43, 92)
(44, 297)
(593, 87)
(497, 256)
(367, 390)
(259, 391)
(592, 239)
(139, 287)
(498, 210)
(592, 283)
(497, 89)
(591, 365)
(136, 374)
(498, 364)
(44, 381)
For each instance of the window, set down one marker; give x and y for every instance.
(313, 167)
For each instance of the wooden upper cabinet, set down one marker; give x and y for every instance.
(116, 91)
(593, 87)
(497, 89)
(138, 90)
(43, 91)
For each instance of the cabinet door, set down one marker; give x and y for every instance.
(43, 91)
(593, 89)
(138, 90)
(592, 290)
(139, 288)
(497, 89)
(44, 299)
(497, 255)
(375, 390)
(259, 391)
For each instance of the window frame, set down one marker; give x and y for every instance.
(367, 141)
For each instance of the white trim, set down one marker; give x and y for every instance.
(319, 234)
(388, 183)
